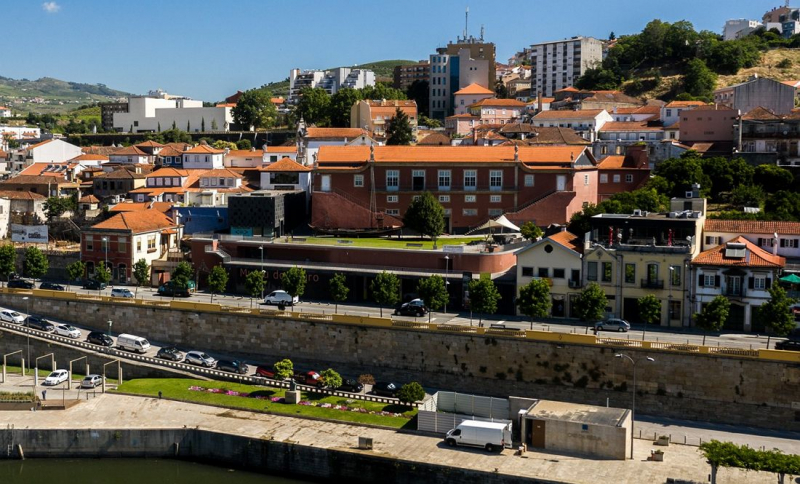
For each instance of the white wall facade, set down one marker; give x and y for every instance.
(56, 151)
(148, 114)
(205, 161)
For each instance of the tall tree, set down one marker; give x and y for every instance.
(419, 91)
(385, 289)
(338, 289)
(181, 275)
(534, 299)
(699, 80)
(425, 216)
(776, 314)
(649, 310)
(8, 260)
(433, 291)
(382, 91)
(254, 284)
(141, 272)
(217, 281)
(341, 106)
(483, 296)
(75, 271)
(255, 109)
(713, 315)
(293, 281)
(102, 274)
(399, 131)
(36, 263)
(591, 304)
(773, 178)
(314, 106)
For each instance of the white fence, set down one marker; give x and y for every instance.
(445, 410)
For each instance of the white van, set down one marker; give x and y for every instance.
(132, 343)
(281, 297)
(489, 435)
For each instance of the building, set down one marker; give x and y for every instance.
(776, 237)
(375, 116)
(556, 259)
(266, 213)
(354, 184)
(203, 157)
(126, 238)
(573, 100)
(671, 112)
(214, 187)
(622, 173)
(5, 112)
(558, 64)
(310, 139)
(331, 80)
(150, 115)
(708, 123)
(166, 184)
(615, 138)
(743, 273)
(497, 111)
(107, 112)
(49, 186)
(286, 174)
(117, 183)
(254, 158)
(131, 155)
(757, 92)
(26, 208)
(785, 19)
(739, 28)
(586, 123)
(762, 136)
(648, 112)
(467, 61)
(50, 151)
(404, 76)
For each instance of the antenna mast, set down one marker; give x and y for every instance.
(466, 22)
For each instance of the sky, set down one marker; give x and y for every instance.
(209, 49)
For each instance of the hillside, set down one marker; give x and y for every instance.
(384, 71)
(768, 67)
(48, 95)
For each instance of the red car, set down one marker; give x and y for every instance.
(265, 371)
(310, 378)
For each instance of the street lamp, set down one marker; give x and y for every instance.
(669, 303)
(105, 245)
(261, 249)
(28, 303)
(446, 273)
(633, 404)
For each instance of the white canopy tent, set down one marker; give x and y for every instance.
(500, 222)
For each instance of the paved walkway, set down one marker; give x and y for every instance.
(107, 411)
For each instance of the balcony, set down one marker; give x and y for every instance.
(652, 284)
(733, 291)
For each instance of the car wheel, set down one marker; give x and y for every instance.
(451, 442)
(420, 314)
(621, 329)
(599, 328)
(489, 447)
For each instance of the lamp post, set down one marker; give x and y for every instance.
(261, 249)
(446, 283)
(105, 245)
(28, 304)
(669, 303)
(633, 404)
(109, 328)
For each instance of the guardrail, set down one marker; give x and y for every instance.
(535, 335)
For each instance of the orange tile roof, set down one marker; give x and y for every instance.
(169, 151)
(277, 100)
(89, 199)
(89, 157)
(547, 100)
(161, 172)
(226, 105)
(568, 240)
(285, 164)
(499, 102)
(129, 151)
(18, 195)
(611, 162)
(648, 109)
(448, 154)
(630, 126)
(624, 110)
(761, 113)
(581, 113)
(162, 207)
(348, 133)
(246, 153)
(685, 104)
(41, 169)
(473, 88)
(136, 222)
(568, 89)
(752, 227)
(149, 144)
(220, 172)
(205, 149)
(463, 116)
(391, 103)
(754, 257)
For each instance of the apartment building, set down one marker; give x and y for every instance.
(150, 114)
(404, 76)
(467, 61)
(331, 80)
(376, 115)
(558, 64)
(770, 94)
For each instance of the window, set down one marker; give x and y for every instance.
(415, 198)
(616, 178)
(630, 273)
(470, 179)
(669, 112)
(495, 198)
(138, 244)
(760, 283)
(789, 243)
(558, 274)
(89, 242)
(591, 271)
(392, 211)
(469, 198)
(176, 182)
(529, 180)
(606, 271)
(444, 198)
(222, 182)
(675, 275)
(122, 244)
(527, 272)
(391, 198)
(544, 272)
(418, 180)
(674, 309)
(495, 179)
(151, 243)
(495, 212)
(628, 178)
(444, 180)
(159, 181)
(470, 212)
(709, 280)
(603, 178)
(586, 180)
(392, 180)
(358, 180)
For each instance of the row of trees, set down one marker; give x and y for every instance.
(322, 109)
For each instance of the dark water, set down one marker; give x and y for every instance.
(126, 471)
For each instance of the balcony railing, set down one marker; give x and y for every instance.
(653, 283)
(733, 291)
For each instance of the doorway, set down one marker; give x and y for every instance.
(558, 309)
(561, 182)
(536, 435)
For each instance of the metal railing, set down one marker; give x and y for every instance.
(653, 283)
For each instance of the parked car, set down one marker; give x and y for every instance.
(415, 307)
(385, 388)
(21, 284)
(169, 289)
(489, 435)
(40, 323)
(56, 377)
(99, 338)
(266, 371)
(199, 358)
(68, 331)
(121, 292)
(281, 297)
(94, 285)
(351, 385)
(613, 324)
(10, 316)
(788, 345)
(233, 366)
(91, 381)
(52, 286)
(310, 378)
(134, 343)
(169, 353)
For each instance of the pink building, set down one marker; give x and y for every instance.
(470, 95)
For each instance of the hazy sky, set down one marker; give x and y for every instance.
(207, 49)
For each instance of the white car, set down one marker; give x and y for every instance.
(68, 331)
(56, 377)
(11, 316)
(281, 297)
(199, 358)
(121, 292)
(91, 381)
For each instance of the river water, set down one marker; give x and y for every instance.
(126, 471)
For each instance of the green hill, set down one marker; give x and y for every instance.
(53, 96)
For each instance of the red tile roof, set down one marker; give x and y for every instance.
(89, 199)
(754, 256)
(129, 151)
(285, 164)
(204, 149)
(474, 89)
(90, 157)
(752, 227)
(169, 151)
(162, 207)
(582, 113)
(17, 195)
(685, 104)
(449, 154)
(149, 144)
(137, 222)
(568, 240)
(499, 102)
(220, 173)
(613, 126)
(162, 172)
(348, 133)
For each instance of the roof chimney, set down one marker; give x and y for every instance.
(516, 153)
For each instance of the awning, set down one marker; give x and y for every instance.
(791, 279)
(499, 222)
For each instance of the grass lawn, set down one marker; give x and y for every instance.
(386, 242)
(178, 388)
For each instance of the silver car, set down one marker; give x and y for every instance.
(199, 358)
(91, 381)
(613, 324)
(11, 316)
(68, 331)
(121, 292)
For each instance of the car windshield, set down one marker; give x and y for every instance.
(14, 313)
(69, 328)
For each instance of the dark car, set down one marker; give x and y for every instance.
(311, 378)
(169, 353)
(385, 388)
(170, 290)
(94, 285)
(20, 284)
(233, 366)
(40, 323)
(52, 286)
(99, 338)
(415, 307)
(351, 385)
(788, 345)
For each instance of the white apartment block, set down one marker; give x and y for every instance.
(451, 73)
(331, 81)
(556, 65)
(149, 115)
(738, 28)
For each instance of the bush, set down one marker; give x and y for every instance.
(784, 64)
(366, 379)
(331, 378)
(411, 392)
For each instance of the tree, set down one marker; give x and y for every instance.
(530, 231)
(612, 36)
(410, 393)
(399, 130)
(141, 272)
(433, 291)
(181, 275)
(425, 216)
(419, 91)
(188, 126)
(217, 280)
(8, 260)
(772, 178)
(726, 174)
(293, 281)
(159, 127)
(598, 78)
(649, 311)
(244, 144)
(203, 124)
(338, 289)
(254, 284)
(214, 125)
(429, 122)
(534, 299)
(699, 80)
(331, 378)
(500, 90)
(382, 91)
(75, 270)
(483, 297)
(776, 314)
(713, 315)
(102, 274)
(222, 145)
(284, 369)
(57, 206)
(591, 304)
(255, 109)
(681, 173)
(36, 263)
(341, 105)
(314, 106)
(385, 289)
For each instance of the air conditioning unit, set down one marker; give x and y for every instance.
(637, 212)
(688, 194)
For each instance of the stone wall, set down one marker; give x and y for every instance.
(704, 387)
